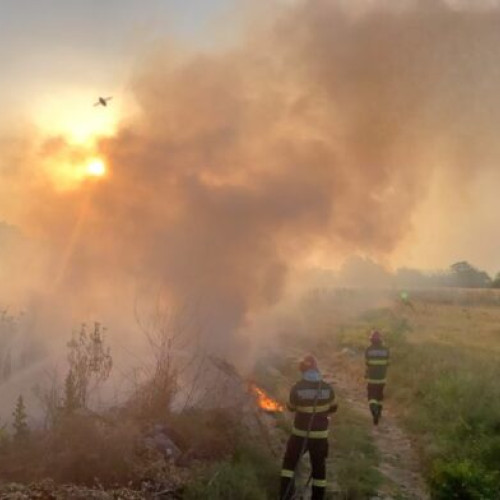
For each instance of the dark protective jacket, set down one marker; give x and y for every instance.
(312, 402)
(377, 360)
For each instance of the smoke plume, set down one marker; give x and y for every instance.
(320, 133)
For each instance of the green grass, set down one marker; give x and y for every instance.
(251, 474)
(354, 455)
(447, 392)
(453, 399)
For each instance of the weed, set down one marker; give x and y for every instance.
(251, 474)
(463, 480)
(355, 456)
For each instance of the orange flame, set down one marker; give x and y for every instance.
(264, 401)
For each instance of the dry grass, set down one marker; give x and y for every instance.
(444, 378)
(469, 326)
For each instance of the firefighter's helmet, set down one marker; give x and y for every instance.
(375, 337)
(308, 363)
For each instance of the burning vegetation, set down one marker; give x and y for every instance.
(263, 400)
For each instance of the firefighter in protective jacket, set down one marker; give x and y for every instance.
(377, 361)
(312, 400)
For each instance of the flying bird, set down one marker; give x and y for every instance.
(103, 101)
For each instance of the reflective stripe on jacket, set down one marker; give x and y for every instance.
(312, 400)
(377, 360)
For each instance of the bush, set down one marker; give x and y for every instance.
(207, 434)
(85, 449)
(463, 480)
(22, 462)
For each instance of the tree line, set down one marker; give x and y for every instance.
(460, 275)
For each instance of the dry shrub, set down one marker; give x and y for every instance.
(206, 434)
(81, 449)
(85, 449)
(176, 358)
(152, 399)
(23, 462)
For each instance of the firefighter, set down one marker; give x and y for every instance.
(312, 400)
(405, 300)
(377, 360)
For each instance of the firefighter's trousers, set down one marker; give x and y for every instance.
(318, 451)
(375, 397)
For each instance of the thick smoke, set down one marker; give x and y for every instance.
(321, 132)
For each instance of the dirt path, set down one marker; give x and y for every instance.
(399, 463)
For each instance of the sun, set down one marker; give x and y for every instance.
(70, 167)
(95, 168)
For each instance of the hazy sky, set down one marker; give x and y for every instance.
(56, 56)
(53, 49)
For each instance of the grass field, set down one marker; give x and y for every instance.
(444, 382)
(442, 385)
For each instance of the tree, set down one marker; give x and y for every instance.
(90, 364)
(173, 332)
(8, 333)
(496, 282)
(466, 276)
(21, 429)
(49, 396)
(71, 401)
